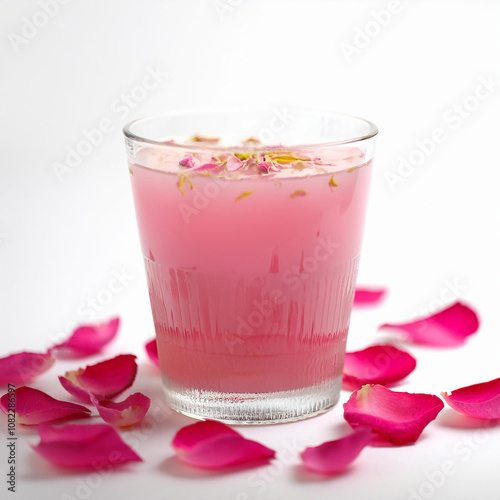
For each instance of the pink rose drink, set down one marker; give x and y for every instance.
(251, 257)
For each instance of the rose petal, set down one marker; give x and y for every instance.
(23, 367)
(188, 161)
(87, 340)
(267, 166)
(478, 400)
(233, 163)
(83, 446)
(212, 445)
(128, 412)
(447, 328)
(378, 364)
(369, 296)
(105, 380)
(152, 351)
(33, 407)
(398, 417)
(334, 456)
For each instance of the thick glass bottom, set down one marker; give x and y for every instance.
(254, 409)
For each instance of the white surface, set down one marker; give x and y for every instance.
(61, 241)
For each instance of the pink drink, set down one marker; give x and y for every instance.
(251, 280)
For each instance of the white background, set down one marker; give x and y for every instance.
(431, 239)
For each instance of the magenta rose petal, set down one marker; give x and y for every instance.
(378, 364)
(105, 380)
(125, 413)
(334, 456)
(152, 352)
(478, 400)
(397, 417)
(83, 446)
(33, 407)
(369, 296)
(214, 445)
(24, 367)
(447, 328)
(87, 340)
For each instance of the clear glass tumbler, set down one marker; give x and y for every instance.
(251, 224)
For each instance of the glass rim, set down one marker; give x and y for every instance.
(127, 129)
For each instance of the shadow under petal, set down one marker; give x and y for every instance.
(451, 419)
(175, 467)
(303, 475)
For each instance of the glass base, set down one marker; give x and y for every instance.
(255, 409)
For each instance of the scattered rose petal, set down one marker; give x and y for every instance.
(105, 380)
(213, 445)
(334, 456)
(187, 161)
(152, 351)
(33, 407)
(378, 364)
(298, 194)
(397, 417)
(369, 296)
(447, 328)
(88, 339)
(478, 400)
(23, 367)
(233, 163)
(128, 412)
(83, 446)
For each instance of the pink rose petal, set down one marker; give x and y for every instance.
(152, 351)
(125, 413)
(24, 367)
(188, 161)
(397, 417)
(267, 166)
(83, 446)
(33, 407)
(334, 456)
(478, 400)
(447, 328)
(233, 163)
(87, 340)
(369, 296)
(378, 364)
(105, 380)
(213, 445)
